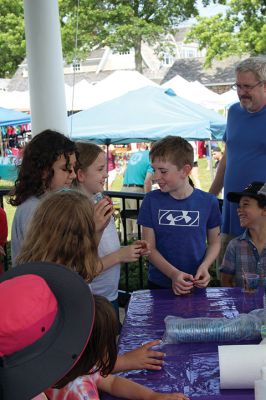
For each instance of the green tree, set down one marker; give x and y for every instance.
(119, 24)
(240, 30)
(12, 36)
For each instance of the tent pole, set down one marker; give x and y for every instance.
(108, 142)
(210, 155)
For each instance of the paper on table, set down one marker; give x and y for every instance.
(240, 365)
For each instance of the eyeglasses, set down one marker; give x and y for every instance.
(246, 88)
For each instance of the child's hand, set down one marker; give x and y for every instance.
(143, 358)
(129, 253)
(103, 211)
(182, 283)
(145, 247)
(168, 396)
(202, 277)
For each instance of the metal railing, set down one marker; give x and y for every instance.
(121, 215)
(124, 214)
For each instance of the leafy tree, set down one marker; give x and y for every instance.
(12, 36)
(241, 30)
(120, 24)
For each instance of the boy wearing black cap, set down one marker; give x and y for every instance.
(247, 252)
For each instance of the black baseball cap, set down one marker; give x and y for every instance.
(257, 190)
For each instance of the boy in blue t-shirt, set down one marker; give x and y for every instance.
(178, 220)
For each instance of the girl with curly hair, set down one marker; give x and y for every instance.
(47, 164)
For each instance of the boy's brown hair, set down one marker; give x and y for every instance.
(174, 149)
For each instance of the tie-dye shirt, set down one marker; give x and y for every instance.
(40, 397)
(82, 388)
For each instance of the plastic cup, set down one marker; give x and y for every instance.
(250, 282)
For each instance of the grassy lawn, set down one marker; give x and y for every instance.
(204, 174)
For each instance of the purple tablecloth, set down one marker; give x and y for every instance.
(191, 368)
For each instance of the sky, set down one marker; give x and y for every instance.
(211, 9)
(208, 11)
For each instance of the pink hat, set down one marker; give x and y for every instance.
(46, 314)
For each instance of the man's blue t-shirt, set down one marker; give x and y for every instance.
(180, 228)
(245, 139)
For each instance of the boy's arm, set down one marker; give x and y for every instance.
(126, 389)
(148, 182)
(202, 276)
(184, 280)
(227, 280)
(229, 265)
(218, 181)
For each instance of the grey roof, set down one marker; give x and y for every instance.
(181, 33)
(192, 69)
(20, 83)
(90, 77)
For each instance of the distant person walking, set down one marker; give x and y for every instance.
(217, 156)
(244, 156)
(137, 178)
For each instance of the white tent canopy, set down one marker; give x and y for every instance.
(15, 100)
(115, 85)
(229, 97)
(84, 95)
(20, 101)
(195, 92)
(77, 96)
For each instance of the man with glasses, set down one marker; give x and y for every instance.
(244, 158)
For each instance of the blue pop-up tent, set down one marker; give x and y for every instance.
(12, 117)
(146, 114)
